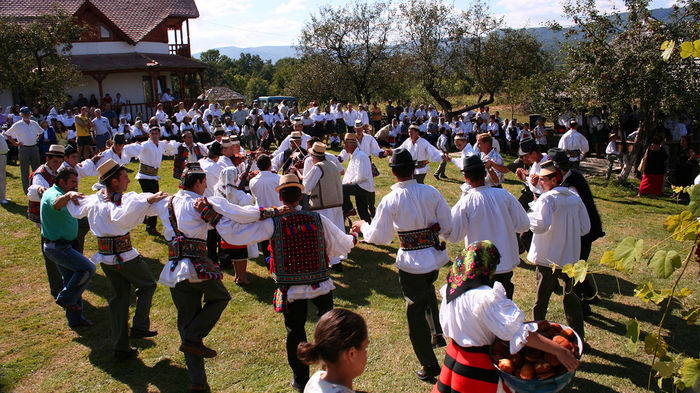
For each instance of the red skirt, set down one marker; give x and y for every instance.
(467, 370)
(651, 184)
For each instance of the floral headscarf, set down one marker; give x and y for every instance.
(472, 268)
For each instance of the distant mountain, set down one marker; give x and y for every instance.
(272, 53)
(550, 41)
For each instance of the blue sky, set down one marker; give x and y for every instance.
(250, 23)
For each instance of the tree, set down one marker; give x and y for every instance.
(353, 39)
(444, 45)
(615, 62)
(34, 61)
(256, 87)
(217, 64)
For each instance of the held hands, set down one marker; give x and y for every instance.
(388, 152)
(521, 174)
(159, 196)
(284, 209)
(40, 191)
(534, 179)
(74, 196)
(200, 204)
(356, 226)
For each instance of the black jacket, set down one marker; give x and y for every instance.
(578, 181)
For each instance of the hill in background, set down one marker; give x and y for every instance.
(549, 39)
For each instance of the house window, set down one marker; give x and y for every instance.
(105, 34)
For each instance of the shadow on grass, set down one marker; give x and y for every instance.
(12, 207)
(620, 366)
(364, 273)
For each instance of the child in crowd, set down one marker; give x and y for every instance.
(340, 342)
(334, 141)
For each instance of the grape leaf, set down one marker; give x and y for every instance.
(683, 226)
(686, 49)
(632, 335)
(696, 48)
(644, 292)
(665, 263)
(691, 315)
(577, 271)
(665, 369)
(629, 251)
(655, 343)
(690, 373)
(667, 48)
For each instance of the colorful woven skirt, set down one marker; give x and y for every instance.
(468, 370)
(651, 184)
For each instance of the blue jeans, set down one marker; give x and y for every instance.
(76, 270)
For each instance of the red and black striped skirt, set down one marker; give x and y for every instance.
(467, 370)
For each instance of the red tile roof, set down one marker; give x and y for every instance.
(134, 61)
(136, 18)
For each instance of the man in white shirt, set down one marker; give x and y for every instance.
(350, 116)
(150, 158)
(299, 264)
(166, 96)
(112, 213)
(489, 156)
(420, 214)
(422, 152)
(160, 115)
(462, 144)
(575, 144)
(264, 188)
(103, 131)
(487, 213)
(358, 180)
(558, 221)
(24, 134)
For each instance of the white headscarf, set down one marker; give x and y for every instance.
(226, 186)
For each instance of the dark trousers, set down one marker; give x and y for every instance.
(586, 289)
(55, 278)
(28, 156)
(441, 169)
(506, 280)
(134, 272)
(213, 242)
(263, 246)
(362, 199)
(148, 185)
(546, 281)
(294, 321)
(422, 313)
(420, 179)
(194, 321)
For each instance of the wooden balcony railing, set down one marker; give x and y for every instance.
(180, 50)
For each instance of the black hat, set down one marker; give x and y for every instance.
(215, 148)
(119, 139)
(471, 161)
(527, 146)
(70, 150)
(558, 155)
(401, 157)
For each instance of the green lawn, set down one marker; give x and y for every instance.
(38, 352)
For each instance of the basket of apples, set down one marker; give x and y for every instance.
(534, 371)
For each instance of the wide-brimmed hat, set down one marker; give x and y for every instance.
(471, 161)
(350, 137)
(69, 149)
(547, 168)
(226, 142)
(290, 180)
(297, 121)
(25, 110)
(108, 169)
(473, 267)
(414, 127)
(460, 137)
(558, 155)
(527, 146)
(401, 157)
(154, 128)
(296, 135)
(215, 148)
(358, 123)
(318, 149)
(56, 150)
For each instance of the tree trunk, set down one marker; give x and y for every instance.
(630, 159)
(442, 101)
(470, 107)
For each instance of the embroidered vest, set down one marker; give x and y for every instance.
(33, 207)
(298, 251)
(328, 191)
(181, 159)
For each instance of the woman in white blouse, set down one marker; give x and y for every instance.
(474, 311)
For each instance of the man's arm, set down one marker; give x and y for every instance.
(61, 201)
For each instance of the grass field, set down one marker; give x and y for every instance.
(39, 353)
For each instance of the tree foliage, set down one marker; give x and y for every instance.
(34, 63)
(353, 43)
